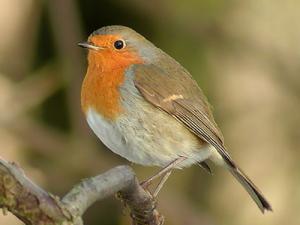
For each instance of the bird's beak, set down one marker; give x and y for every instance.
(89, 45)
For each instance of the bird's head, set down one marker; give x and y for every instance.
(117, 46)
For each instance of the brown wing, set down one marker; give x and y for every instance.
(175, 92)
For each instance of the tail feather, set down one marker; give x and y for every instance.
(225, 160)
(250, 187)
(205, 166)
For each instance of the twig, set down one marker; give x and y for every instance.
(34, 206)
(83, 195)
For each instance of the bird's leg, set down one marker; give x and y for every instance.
(161, 183)
(165, 170)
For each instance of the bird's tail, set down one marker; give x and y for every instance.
(250, 187)
(244, 180)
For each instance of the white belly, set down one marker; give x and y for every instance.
(108, 133)
(147, 141)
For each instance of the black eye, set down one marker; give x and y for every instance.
(119, 44)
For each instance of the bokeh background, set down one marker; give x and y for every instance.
(244, 54)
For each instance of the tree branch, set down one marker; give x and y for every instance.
(34, 206)
(83, 195)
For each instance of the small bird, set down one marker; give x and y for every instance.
(144, 106)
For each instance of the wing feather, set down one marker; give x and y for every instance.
(174, 91)
(161, 88)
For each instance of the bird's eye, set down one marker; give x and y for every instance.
(119, 44)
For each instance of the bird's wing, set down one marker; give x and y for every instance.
(175, 92)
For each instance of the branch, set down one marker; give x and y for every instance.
(27, 201)
(34, 206)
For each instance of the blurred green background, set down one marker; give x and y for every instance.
(244, 54)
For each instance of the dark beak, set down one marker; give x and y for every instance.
(89, 45)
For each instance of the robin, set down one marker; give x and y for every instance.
(146, 107)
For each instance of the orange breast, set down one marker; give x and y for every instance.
(101, 92)
(100, 88)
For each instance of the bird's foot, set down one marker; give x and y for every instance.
(165, 172)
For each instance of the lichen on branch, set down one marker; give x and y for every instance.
(34, 206)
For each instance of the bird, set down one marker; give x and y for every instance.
(146, 107)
